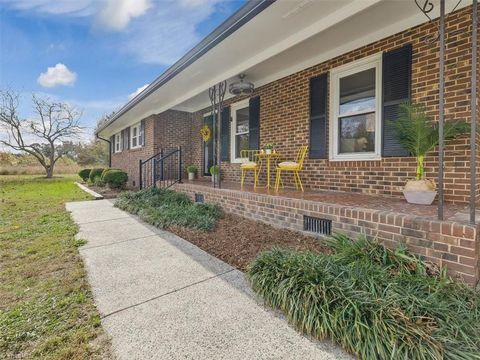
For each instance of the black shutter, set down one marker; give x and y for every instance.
(225, 134)
(122, 140)
(254, 123)
(318, 116)
(127, 136)
(142, 132)
(111, 147)
(397, 75)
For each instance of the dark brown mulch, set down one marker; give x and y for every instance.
(237, 240)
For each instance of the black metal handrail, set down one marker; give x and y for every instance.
(162, 169)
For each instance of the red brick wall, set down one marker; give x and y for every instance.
(167, 130)
(128, 159)
(284, 115)
(284, 120)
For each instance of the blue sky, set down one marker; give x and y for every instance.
(95, 53)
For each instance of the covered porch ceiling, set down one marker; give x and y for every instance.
(286, 37)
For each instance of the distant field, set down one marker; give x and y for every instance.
(37, 169)
(22, 164)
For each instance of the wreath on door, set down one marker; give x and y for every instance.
(205, 132)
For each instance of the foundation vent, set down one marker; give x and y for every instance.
(199, 198)
(317, 225)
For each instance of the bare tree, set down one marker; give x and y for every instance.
(46, 135)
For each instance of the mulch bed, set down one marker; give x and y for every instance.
(105, 191)
(237, 240)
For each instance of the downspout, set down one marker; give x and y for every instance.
(109, 149)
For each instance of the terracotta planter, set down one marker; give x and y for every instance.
(191, 176)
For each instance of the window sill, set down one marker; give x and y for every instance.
(372, 157)
(238, 160)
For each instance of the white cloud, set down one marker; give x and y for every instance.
(138, 91)
(161, 38)
(152, 31)
(112, 15)
(68, 7)
(57, 75)
(117, 14)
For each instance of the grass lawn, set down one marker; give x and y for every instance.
(46, 308)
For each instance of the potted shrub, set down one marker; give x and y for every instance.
(214, 171)
(418, 134)
(191, 170)
(268, 148)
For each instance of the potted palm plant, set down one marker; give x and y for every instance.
(191, 170)
(418, 134)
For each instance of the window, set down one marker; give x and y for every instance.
(136, 136)
(240, 130)
(118, 145)
(355, 118)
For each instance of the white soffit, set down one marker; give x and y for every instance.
(288, 36)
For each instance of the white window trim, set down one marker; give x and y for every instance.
(138, 127)
(117, 141)
(233, 128)
(374, 61)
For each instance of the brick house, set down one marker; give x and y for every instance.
(309, 61)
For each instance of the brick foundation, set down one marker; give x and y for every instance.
(447, 243)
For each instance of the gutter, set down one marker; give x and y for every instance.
(109, 148)
(246, 13)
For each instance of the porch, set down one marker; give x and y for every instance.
(451, 242)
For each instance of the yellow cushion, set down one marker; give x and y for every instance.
(249, 165)
(288, 165)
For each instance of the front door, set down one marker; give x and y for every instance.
(208, 146)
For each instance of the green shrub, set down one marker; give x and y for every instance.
(98, 182)
(191, 169)
(214, 170)
(106, 170)
(164, 208)
(94, 173)
(115, 179)
(84, 174)
(376, 303)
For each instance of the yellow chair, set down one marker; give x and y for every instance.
(293, 166)
(250, 163)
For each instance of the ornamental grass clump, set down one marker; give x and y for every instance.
(166, 208)
(377, 304)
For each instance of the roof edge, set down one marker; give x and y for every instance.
(242, 16)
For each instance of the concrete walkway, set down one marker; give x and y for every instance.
(161, 297)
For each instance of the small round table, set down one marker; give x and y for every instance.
(264, 156)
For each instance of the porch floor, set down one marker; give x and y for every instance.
(452, 212)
